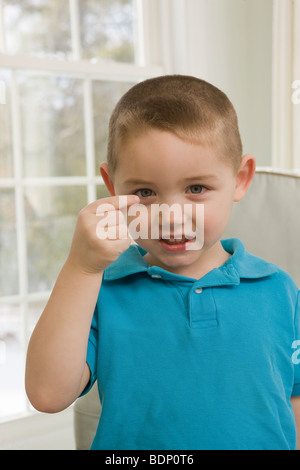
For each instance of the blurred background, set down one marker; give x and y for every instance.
(63, 66)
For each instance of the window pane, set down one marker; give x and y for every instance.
(38, 27)
(108, 30)
(52, 126)
(105, 96)
(12, 393)
(6, 156)
(8, 244)
(102, 191)
(34, 311)
(51, 214)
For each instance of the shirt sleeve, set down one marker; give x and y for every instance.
(296, 350)
(92, 352)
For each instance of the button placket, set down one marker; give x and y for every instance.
(202, 306)
(199, 291)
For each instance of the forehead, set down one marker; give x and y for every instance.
(162, 155)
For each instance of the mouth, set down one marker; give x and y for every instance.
(176, 245)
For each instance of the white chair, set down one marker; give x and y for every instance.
(267, 220)
(87, 412)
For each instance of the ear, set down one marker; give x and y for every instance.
(107, 178)
(244, 176)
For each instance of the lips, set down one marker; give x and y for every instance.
(175, 241)
(176, 246)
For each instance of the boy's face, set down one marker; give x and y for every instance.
(163, 169)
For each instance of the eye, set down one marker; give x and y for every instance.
(197, 189)
(143, 193)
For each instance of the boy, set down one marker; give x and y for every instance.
(191, 344)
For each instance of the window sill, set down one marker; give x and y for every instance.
(37, 431)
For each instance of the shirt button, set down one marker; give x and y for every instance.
(198, 291)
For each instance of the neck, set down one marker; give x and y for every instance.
(209, 259)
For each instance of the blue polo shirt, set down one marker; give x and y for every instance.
(187, 364)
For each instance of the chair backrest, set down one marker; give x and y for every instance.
(87, 411)
(267, 220)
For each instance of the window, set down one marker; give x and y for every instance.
(63, 66)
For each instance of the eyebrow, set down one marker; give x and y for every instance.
(136, 181)
(193, 178)
(201, 178)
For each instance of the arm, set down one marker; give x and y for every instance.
(296, 407)
(56, 369)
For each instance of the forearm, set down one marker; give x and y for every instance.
(56, 369)
(296, 408)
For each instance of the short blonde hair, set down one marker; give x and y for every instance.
(192, 109)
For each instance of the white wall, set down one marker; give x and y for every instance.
(229, 43)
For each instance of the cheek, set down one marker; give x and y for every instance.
(216, 218)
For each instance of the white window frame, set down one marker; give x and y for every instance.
(156, 37)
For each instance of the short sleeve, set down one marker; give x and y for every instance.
(92, 352)
(296, 350)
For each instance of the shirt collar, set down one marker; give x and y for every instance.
(241, 265)
(246, 265)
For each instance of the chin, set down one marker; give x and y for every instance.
(178, 260)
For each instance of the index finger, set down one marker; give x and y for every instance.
(115, 203)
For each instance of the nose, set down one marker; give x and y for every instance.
(169, 218)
